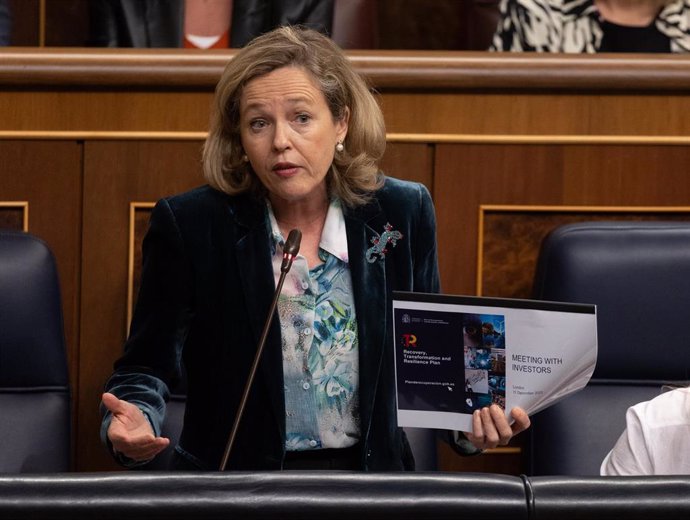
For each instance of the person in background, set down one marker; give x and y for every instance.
(294, 143)
(199, 23)
(656, 440)
(207, 24)
(5, 23)
(591, 26)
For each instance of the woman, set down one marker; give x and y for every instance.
(294, 142)
(592, 26)
(656, 440)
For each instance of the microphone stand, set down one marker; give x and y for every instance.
(290, 250)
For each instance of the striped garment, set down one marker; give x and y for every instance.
(574, 26)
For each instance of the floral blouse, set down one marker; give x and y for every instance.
(319, 342)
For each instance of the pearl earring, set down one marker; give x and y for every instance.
(245, 158)
(339, 147)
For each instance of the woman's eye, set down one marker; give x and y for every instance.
(302, 118)
(257, 124)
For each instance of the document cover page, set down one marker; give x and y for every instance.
(457, 354)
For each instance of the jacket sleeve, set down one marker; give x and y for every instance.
(152, 357)
(103, 24)
(5, 23)
(426, 275)
(250, 18)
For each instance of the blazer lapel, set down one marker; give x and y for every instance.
(369, 287)
(255, 269)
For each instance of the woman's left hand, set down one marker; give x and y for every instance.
(490, 426)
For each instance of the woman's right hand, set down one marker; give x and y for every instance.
(130, 431)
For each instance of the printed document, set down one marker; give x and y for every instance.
(457, 354)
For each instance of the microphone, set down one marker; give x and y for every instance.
(290, 250)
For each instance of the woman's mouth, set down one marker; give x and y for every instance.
(285, 169)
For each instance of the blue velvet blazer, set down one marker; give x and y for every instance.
(207, 285)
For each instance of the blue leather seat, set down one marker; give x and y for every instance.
(34, 385)
(638, 275)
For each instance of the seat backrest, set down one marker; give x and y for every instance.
(34, 385)
(638, 275)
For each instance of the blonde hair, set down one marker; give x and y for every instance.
(354, 173)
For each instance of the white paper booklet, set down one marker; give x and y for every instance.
(456, 354)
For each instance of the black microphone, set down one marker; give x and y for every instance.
(290, 250)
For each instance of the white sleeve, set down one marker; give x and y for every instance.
(630, 455)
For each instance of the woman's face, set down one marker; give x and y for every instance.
(289, 134)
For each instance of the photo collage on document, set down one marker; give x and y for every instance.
(485, 362)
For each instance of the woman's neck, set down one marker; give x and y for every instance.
(311, 226)
(307, 216)
(304, 215)
(631, 13)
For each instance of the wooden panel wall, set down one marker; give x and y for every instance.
(83, 135)
(544, 175)
(117, 173)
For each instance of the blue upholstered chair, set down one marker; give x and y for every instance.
(638, 275)
(34, 387)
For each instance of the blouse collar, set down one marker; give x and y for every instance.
(333, 235)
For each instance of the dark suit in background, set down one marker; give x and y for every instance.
(160, 23)
(5, 23)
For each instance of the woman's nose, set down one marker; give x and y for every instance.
(281, 139)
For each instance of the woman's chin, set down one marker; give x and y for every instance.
(298, 195)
